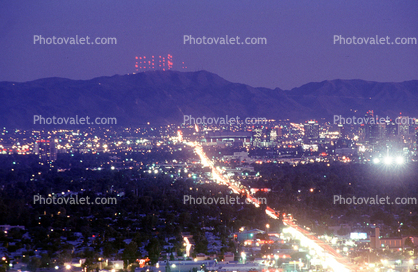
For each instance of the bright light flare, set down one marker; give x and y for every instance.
(400, 160)
(387, 160)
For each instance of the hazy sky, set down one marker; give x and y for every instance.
(299, 37)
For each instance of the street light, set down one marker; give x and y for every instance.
(400, 160)
(243, 256)
(276, 258)
(387, 160)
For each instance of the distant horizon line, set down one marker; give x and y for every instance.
(197, 71)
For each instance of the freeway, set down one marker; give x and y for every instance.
(330, 257)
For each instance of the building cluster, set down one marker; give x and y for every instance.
(313, 140)
(48, 143)
(283, 141)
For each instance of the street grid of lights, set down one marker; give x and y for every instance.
(330, 261)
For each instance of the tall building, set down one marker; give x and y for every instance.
(345, 147)
(46, 150)
(416, 136)
(391, 129)
(369, 129)
(258, 134)
(375, 239)
(279, 131)
(311, 131)
(275, 133)
(374, 131)
(341, 131)
(416, 142)
(403, 125)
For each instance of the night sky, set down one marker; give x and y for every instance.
(299, 37)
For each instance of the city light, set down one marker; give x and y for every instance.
(387, 160)
(400, 160)
(243, 256)
(292, 229)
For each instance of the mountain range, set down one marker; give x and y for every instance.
(164, 97)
